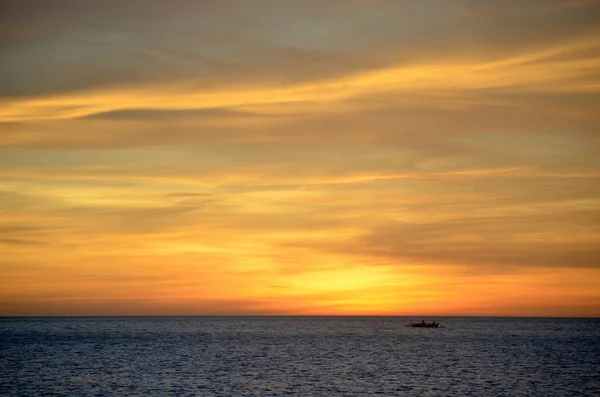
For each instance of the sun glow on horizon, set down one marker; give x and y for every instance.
(323, 161)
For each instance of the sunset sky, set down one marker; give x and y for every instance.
(331, 157)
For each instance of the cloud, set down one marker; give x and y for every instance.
(19, 242)
(537, 238)
(25, 236)
(211, 153)
(451, 78)
(539, 54)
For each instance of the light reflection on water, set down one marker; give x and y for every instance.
(306, 356)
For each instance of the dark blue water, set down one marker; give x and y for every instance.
(304, 356)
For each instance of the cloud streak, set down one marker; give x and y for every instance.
(206, 157)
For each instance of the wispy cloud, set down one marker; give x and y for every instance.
(299, 157)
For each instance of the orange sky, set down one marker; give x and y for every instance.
(300, 157)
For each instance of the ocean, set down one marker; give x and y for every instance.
(298, 356)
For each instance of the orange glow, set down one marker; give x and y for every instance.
(366, 167)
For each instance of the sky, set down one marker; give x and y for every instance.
(263, 157)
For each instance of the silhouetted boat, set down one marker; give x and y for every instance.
(423, 324)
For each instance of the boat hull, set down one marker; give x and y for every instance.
(426, 325)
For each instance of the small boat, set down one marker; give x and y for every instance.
(423, 324)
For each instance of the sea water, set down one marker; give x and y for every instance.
(298, 356)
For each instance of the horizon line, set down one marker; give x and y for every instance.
(289, 315)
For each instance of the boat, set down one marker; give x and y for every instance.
(423, 324)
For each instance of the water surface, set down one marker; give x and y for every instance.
(304, 356)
